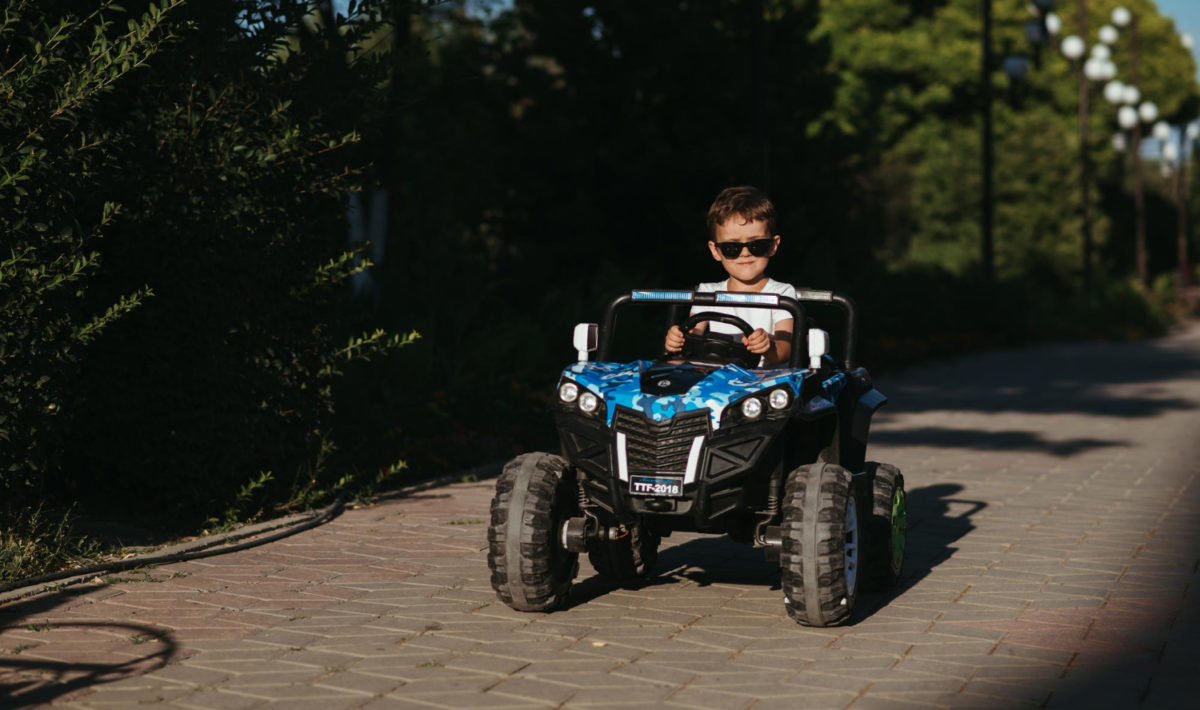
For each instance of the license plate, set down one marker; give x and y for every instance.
(658, 486)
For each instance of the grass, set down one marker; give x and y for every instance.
(38, 541)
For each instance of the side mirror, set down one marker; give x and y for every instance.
(585, 339)
(818, 347)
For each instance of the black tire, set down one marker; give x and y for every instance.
(627, 560)
(887, 530)
(821, 551)
(531, 570)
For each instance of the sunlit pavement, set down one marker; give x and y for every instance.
(1054, 543)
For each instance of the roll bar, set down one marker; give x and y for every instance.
(729, 299)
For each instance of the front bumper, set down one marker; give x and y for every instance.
(724, 471)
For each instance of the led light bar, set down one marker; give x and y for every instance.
(662, 296)
(770, 299)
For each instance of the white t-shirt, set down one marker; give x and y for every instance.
(765, 318)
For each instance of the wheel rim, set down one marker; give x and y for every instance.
(899, 529)
(851, 546)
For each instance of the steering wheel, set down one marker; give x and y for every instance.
(717, 345)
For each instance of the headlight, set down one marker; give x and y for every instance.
(588, 402)
(569, 392)
(779, 399)
(752, 407)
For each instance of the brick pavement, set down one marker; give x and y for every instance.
(1054, 545)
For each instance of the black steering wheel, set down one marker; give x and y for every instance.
(717, 345)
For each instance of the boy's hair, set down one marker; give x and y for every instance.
(744, 201)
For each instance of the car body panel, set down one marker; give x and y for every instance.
(623, 385)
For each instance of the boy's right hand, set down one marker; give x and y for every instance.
(674, 342)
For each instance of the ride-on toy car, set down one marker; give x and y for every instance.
(704, 441)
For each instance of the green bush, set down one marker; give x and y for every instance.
(218, 395)
(926, 313)
(55, 74)
(173, 282)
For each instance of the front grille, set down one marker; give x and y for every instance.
(659, 446)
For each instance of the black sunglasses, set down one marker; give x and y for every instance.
(757, 247)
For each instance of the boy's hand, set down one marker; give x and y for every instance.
(757, 342)
(674, 342)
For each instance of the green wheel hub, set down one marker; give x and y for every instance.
(899, 528)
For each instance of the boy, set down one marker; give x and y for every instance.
(741, 231)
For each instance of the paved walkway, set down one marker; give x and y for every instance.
(1054, 546)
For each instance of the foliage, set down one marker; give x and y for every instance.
(941, 315)
(561, 151)
(910, 90)
(34, 541)
(203, 143)
(235, 180)
(56, 73)
(508, 167)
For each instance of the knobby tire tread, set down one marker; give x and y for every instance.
(879, 574)
(530, 570)
(812, 560)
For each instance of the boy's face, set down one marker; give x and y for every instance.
(745, 266)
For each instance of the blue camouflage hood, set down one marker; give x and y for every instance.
(621, 385)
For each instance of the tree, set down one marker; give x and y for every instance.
(909, 87)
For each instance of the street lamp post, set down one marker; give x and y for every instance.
(1187, 134)
(1098, 67)
(1121, 17)
(1175, 159)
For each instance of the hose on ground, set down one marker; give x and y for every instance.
(206, 548)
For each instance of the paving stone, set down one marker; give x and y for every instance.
(640, 696)
(533, 689)
(323, 703)
(466, 699)
(708, 698)
(891, 701)
(1037, 574)
(814, 701)
(110, 696)
(357, 682)
(217, 700)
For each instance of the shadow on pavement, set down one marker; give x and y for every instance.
(31, 674)
(30, 681)
(989, 440)
(937, 520)
(704, 561)
(1048, 379)
(718, 560)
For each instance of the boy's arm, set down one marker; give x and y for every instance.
(781, 343)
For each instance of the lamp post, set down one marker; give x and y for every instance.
(1187, 139)
(1098, 67)
(1122, 17)
(1177, 156)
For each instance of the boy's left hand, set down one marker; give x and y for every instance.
(757, 342)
